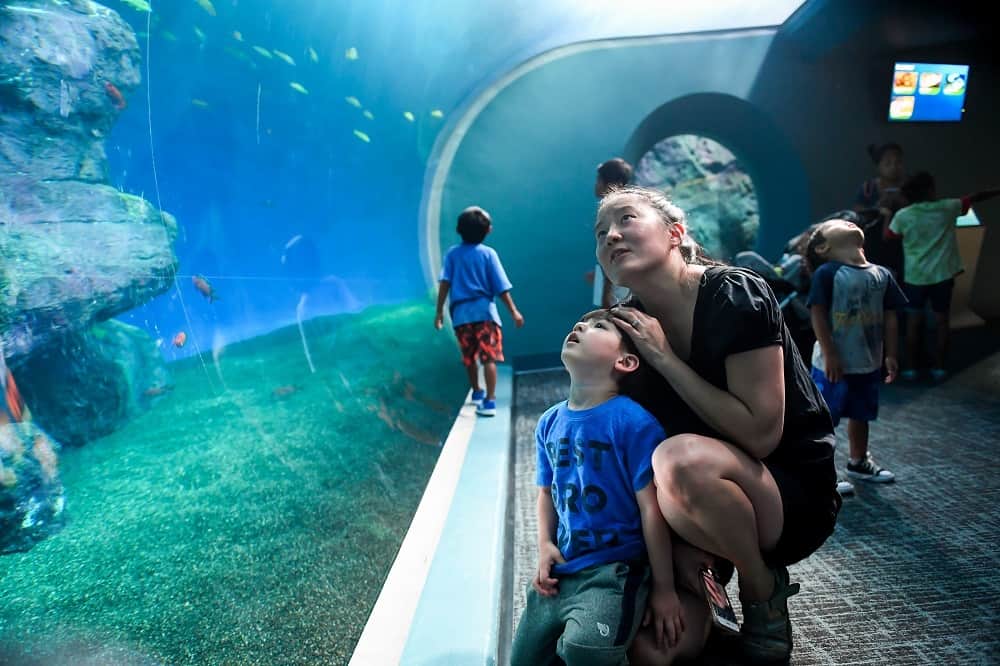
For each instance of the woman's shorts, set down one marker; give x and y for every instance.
(480, 341)
(808, 488)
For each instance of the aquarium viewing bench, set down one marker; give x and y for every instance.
(441, 602)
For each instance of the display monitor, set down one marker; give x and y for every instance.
(927, 92)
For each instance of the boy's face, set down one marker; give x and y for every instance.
(594, 344)
(842, 238)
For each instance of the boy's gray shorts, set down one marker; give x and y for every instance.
(592, 620)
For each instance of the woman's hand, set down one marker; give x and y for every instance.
(645, 331)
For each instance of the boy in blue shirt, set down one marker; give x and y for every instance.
(853, 305)
(598, 517)
(473, 275)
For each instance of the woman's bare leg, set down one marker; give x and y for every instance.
(719, 499)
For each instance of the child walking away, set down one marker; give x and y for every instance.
(473, 276)
(930, 253)
(853, 304)
(599, 526)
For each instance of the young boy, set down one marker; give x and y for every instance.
(597, 514)
(853, 305)
(931, 259)
(474, 276)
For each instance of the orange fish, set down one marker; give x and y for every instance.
(180, 339)
(116, 95)
(204, 288)
(15, 405)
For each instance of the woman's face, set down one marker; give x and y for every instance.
(632, 237)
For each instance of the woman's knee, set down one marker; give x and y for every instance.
(682, 466)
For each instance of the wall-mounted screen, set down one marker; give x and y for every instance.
(926, 92)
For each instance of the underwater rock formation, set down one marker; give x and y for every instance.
(31, 495)
(91, 383)
(73, 250)
(709, 184)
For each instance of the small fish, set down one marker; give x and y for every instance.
(368, 114)
(313, 55)
(409, 116)
(437, 113)
(204, 288)
(237, 35)
(292, 241)
(199, 34)
(285, 391)
(361, 135)
(298, 87)
(200, 103)
(15, 404)
(284, 56)
(264, 52)
(180, 339)
(116, 95)
(207, 6)
(351, 53)
(169, 36)
(154, 391)
(138, 5)
(353, 101)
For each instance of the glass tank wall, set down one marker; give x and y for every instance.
(223, 393)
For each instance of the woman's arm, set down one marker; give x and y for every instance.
(751, 414)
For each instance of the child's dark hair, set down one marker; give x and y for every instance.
(918, 187)
(473, 224)
(813, 258)
(615, 171)
(634, 384)
(878, 152)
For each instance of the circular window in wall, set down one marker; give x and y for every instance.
(706, 180)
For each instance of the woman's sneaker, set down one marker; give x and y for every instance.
(487, 408)
(867, 470)
(766, 634)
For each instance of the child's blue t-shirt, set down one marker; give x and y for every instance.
(857, 298)
(476, 277)
(595, 461)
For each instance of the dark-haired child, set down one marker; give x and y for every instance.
(878, 199)
(612, 173)
(473, 276)
(600, 529)
(853, 304)
(930, 250)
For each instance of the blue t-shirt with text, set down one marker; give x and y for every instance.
(476, 277)
(857, 298)
(595, 461)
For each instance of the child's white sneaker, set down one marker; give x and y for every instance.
(866, 470)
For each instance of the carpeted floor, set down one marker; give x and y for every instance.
(911, 574)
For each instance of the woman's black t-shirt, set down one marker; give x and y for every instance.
(736, 312)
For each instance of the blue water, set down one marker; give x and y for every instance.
(244, 179)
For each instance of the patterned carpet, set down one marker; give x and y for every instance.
(911, 574)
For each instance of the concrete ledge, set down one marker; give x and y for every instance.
(440, 603)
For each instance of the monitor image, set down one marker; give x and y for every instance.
(928, 92)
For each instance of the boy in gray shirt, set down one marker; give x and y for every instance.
(853, 305)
